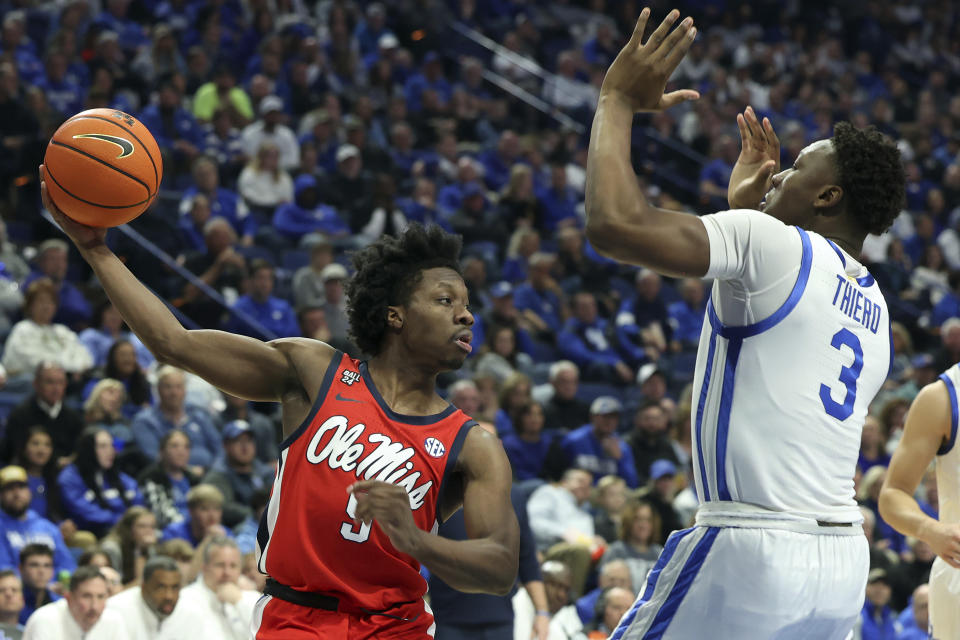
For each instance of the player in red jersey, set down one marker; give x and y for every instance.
(372, 458)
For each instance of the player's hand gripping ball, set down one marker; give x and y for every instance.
(103, 168)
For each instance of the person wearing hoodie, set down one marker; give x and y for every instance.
(306, 214)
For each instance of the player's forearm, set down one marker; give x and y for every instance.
(902, 512)
(613, 197)
(143, 312)
(538, 594)
(483, 565)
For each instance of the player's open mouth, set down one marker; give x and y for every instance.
(463, 341)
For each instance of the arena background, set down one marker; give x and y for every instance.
(294, 132)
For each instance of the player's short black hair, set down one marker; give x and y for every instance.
(387, 272)
(870, 170)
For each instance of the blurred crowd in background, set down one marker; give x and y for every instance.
(293, 132)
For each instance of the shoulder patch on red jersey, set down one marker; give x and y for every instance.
(349, 377)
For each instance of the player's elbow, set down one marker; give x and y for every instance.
(601, 234)
(502, 583)
(886, 503)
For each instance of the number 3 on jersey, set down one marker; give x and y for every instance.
(848, 376)
(347, 528)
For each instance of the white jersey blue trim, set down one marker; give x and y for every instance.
(735, 337)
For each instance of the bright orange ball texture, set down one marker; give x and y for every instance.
(103, 168)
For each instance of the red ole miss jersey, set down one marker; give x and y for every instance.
(307, 539)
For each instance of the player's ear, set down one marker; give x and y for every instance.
(827, 200)
(395, 318)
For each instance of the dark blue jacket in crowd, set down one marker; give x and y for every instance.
(587, 605)
(527, 458)
(80, 505)
(294, 221)
(686, 322)
(224, 204)
(418, 83)
(150, 425)
(182, 127)
(72, 306)
(65, 96)
(545, 304)
(275, 314)
(877, 625)
(496, 172)
(587, 344)
(635, 314)
(451, 607)
(416, 212)
(29, 602)
(558, 206)
(584, 451)
(16, 534)
(183, 531)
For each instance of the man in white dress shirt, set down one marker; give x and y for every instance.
(81, 615)
(223, 603)
(155, 610)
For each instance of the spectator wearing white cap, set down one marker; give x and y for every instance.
(596, 446)
(333, 277)
(350, 187)
(270, 128)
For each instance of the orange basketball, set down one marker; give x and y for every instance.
(103, 168)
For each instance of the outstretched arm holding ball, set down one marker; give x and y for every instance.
(239, 365)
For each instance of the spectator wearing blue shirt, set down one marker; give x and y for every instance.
(114, 18)
(51, 262)
(306, 214)
(95, 494)
(540, 298)
(498, 162)
(402, 152)
(715, 175)
(872, 445)
(172, 412)
(597, 448)
(177, 132)
(527, 446)
(63, 93)
(36, 457)
(369, 31)
(878, 621)
(643, 324)
(274, 314)
(20, 525)
(205, 514)
(586, 340)
(915, 619)
(686, 315)
(107, 329)
(615, 573)
(221, 141)
(16, 45)
(430, 77)
(36, 572)
(558, 201)
(601, 49)
(422, 207)
(224, 203)
(450, 197)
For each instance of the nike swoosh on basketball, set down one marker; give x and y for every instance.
(346, 399)
(126, 147)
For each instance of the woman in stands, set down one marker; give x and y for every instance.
(36, 456)
(95, 493)
(131, 542)
(36, 338)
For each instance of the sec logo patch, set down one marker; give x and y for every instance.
(434, 447)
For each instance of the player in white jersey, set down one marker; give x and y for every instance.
(795, 345)
(930, 432)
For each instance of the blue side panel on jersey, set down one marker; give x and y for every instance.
(321, 396)
(952, 391)
(451, 462)
(890, 329)
(699, 424)
(739, 333)
(680, 588)
(668, 550)
(723, 416)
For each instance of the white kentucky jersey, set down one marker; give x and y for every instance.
(948, 457)
(794, 347)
